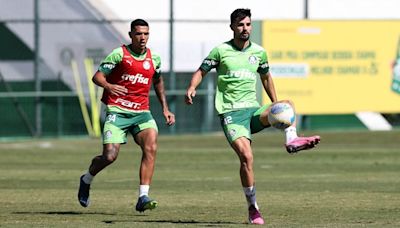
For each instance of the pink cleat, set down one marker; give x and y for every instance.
(302, 143)
(255, 216)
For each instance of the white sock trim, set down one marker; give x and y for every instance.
(291, 133)
(87, 178)
(144, 190)
(250, 194)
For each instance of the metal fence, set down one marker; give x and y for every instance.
(39, 91)
(62, 114)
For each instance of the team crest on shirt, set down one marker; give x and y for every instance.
(252, 59)
(146, 65)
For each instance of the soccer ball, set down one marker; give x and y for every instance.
(281, 115)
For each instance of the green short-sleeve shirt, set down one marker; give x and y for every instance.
(237, 75)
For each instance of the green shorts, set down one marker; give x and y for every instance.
(242, 123)
(117, 125)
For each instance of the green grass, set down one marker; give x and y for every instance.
(351, 180)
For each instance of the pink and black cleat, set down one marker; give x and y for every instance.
(302, 143)
(255, 216)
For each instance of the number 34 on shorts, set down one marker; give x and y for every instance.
(111, 118)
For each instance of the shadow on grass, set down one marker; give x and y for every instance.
(60, 213)
(163, 221)
(204, 223)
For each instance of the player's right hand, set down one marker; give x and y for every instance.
(117, 90)
(190, 93)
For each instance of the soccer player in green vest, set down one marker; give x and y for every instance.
(127, 75)
(238, 63)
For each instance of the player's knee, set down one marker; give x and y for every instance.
(246, 164)
(109, 158)
(110, 155)
(246, 158)
(150, 150)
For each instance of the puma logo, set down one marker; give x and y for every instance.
(130, 62)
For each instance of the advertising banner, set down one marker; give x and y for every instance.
(335, 67)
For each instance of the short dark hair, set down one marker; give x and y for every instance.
(138, 22)
(240, 14)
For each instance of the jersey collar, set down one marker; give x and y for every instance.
(238, 49)
(139, 56)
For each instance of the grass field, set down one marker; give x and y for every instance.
(350, 180)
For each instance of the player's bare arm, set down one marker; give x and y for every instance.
(269, 87)
(99, 79)
(160, 92)
(191, 91)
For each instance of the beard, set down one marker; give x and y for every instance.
(244, 36)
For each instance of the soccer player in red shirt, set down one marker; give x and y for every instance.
(126, 76)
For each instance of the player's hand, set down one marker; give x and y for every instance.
(169, 117)
(116, 90)
(190, 94)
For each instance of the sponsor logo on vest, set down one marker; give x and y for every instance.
(146, 65)
(128, 104)
(138, 78)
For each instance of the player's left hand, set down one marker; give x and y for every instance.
(169, 117)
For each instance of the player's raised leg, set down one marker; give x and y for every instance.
(294, 143)
(300, 143)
